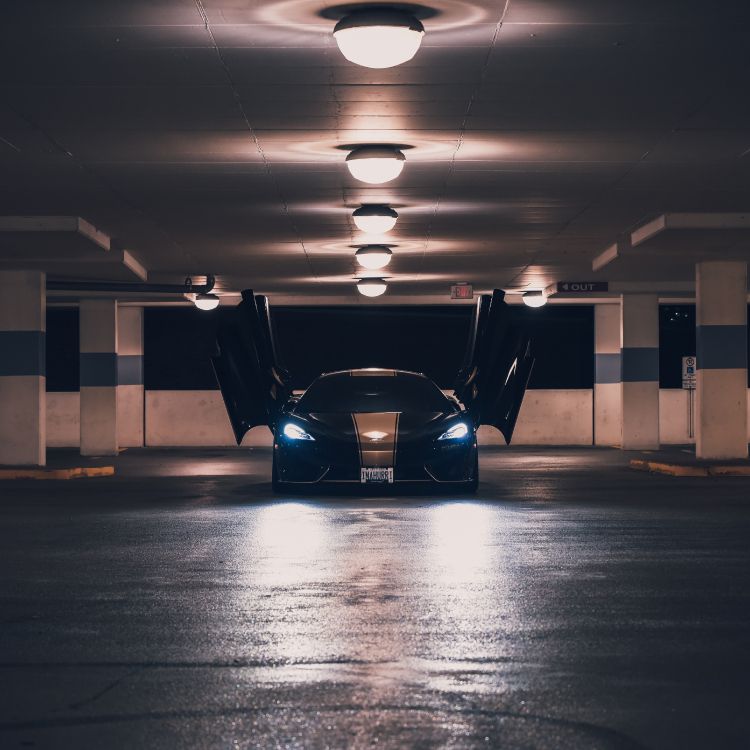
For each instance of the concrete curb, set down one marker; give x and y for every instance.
(681, 470)
(75, 473)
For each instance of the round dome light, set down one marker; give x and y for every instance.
(534, 299)
(371, 287)
(206, 301)
(374, 219)
(378, 37)
(373, 256)
(375, 164)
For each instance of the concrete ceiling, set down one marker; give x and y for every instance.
(207, 136)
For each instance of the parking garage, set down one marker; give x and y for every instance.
(541, 207)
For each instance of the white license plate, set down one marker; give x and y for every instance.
(376, 474)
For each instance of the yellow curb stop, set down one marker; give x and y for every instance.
(74, 473)
(679, 470)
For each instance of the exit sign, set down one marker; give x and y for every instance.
(582, 287)
(462, 291)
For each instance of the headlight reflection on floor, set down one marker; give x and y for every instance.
(291, 537)
(470, 587)
(461, 535)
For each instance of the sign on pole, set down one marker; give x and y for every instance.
(688, 373)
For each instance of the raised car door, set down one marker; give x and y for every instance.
(497, 366)
(252, 384)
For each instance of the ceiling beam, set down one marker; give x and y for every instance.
(688, 221)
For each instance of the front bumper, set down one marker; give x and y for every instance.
(299, 462)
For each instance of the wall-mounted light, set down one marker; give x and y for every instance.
(534, 299)
(378, 37)
(371, 287)
(373, 219)
(373, 256)
(206, 301)
(375, 164)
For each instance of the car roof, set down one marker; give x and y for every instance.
(374, 371)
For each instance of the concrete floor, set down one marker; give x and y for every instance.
(573, 603)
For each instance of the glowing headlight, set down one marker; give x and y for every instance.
(456, 432)
(293, 432)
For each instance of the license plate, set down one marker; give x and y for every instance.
(376, 474)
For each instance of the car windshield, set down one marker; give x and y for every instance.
(344, 392)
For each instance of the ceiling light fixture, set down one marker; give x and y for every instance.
(375, 164)
(374, 219)
(378, 37)
(373, 256)
(206, 301)
(534, 299)
(371, 287)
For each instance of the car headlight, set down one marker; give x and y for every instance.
(295, 432)
(458, 431)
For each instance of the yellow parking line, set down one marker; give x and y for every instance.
(74, 473)
(680, 470)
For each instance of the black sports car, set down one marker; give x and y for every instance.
(374, 425)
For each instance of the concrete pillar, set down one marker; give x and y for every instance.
(130, 377)
(721, 359)
(23, 382)
(639, 352)
(98, 365)
(607, 388)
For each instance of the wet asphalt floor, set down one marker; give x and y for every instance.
(573, 603)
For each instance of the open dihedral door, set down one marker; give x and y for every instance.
(254, 386)
(496, 368)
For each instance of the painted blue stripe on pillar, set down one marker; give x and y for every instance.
(608, 368)
(640, 364)
(130, 369)
(721, 347)
(98, 369)
(23, 353)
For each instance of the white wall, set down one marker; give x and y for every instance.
(63, 420)
(184, 418)
(551, 417)
(130, 416)
(198, 418)
(673, 417)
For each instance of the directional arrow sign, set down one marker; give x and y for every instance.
(582, 287)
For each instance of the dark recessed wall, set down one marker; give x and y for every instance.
(563, 344)
(177, 346)
(677, 340)
(179, 342)
(311, 340)
(423, 339)
(62, 349)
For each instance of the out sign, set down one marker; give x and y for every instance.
(582, 287)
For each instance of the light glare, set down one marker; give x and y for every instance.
(456, 432)
(294, 432)
(534, 299)
(206, 301)
(378, 38)
(373, 256)
(375, 165)
(372, 287)
(375, 219)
